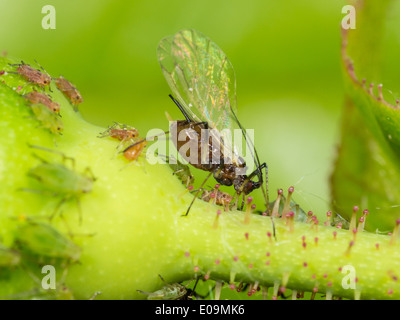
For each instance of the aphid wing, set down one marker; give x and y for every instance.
(200, 76)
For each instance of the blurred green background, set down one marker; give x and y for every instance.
(285, 54)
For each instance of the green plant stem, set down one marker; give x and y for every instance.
(133, 228)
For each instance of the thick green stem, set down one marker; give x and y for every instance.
(132, 226)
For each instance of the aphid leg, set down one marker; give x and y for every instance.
(188, 182)
(265, 193)
(243, 198)
(55, 152)
(193, 291)
(197, 194)
(178, 171)
(236, 201)
(39, 158)
(16, 64)
(70, 234)
(258, 173)
(57, 208)
(90, 173)
(78, 203)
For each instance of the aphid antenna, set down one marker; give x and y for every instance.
(17, 64)
(243, 200)
(256, 159)
(197, 193)
(44, 72)
(53, 151)
(57, 208)
(181, 108)
(42, 68)
(39, 158)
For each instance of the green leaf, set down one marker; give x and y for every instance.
(367, 170)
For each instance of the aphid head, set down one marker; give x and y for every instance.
(250, 186)
(77, 98)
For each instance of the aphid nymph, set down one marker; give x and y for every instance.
(42, 239)
(32, 75)
(35, 97)
(56, 179)
(47, 118)
(174, 291)
(69, 90)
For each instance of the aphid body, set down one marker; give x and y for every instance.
(44, 240)
(37, 97)
(203, 79)
(59, 180)
(174, 291)
(133, 153)
(47, 118)
(120, 132)
(69, 90)
(33, 75)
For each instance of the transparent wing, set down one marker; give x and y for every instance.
(201, 77)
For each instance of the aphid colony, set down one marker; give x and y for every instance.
(44, 109)
(126, 135)
(39, 243)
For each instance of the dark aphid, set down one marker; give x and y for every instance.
(37, 97)
(203, 79)
(32, 75)
(69, 90)
(9, 257)
(174, 291)
(58, 180)
(42, 239)
(47, 118)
